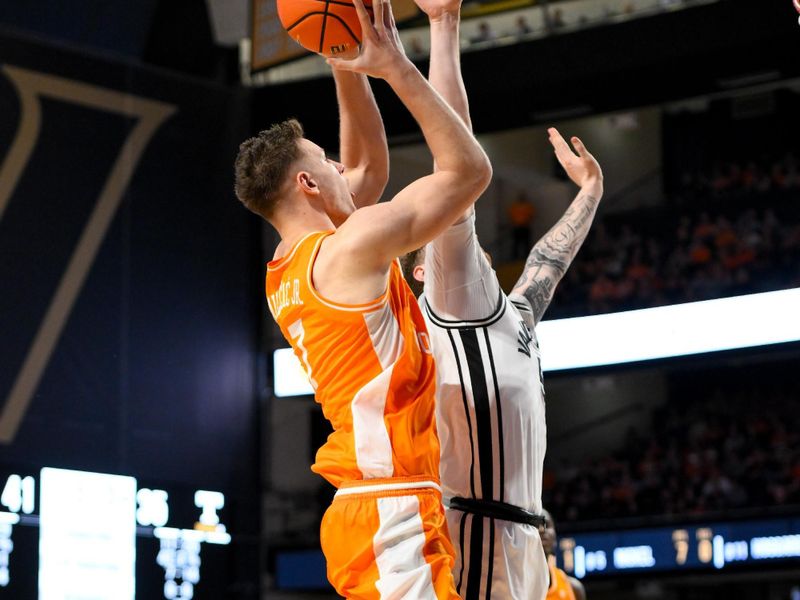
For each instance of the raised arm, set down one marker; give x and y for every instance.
(445, 64)
(362, 139)
(552, 255)
(444, 73)
(429, 205)
(459, 281)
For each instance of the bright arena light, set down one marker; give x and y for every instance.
(666, 331)
(289, 377)
(635, 335)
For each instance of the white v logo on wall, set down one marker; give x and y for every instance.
(148, 115)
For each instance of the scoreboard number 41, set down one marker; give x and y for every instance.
(18, 494)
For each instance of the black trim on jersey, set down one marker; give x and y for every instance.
(502, 462)
(483, 410)
(491, 319)
(522, 306)
(466, 412)
(475, 559)
(525, 310)
(461, 545)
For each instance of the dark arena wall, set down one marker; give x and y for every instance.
(130, 279)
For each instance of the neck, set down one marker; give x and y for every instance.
(292, 227)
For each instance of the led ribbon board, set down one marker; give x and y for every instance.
(633, 336)
(710, 546)
(667, 331)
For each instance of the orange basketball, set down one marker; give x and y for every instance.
(328, 27)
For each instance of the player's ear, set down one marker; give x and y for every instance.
(307, 183)
(419, 273)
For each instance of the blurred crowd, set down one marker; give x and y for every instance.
(649, 259)
(737, 449)
(554, 20)
(727, 180)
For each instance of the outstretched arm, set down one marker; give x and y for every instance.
(362, 139)
(444, 73)
(552, 255)
(459, 281)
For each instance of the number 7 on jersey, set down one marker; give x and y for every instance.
(297, 333)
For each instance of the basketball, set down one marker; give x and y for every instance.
(330, 28)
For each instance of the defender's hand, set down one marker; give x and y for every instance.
(582, 169)
(382, 53)
(436, 9)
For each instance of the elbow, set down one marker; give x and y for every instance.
(481, 173)
(471, 175)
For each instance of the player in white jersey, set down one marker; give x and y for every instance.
(490, 399)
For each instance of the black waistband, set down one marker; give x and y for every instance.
(497, 510)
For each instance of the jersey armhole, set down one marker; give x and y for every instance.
(374, 304)
(523, 305)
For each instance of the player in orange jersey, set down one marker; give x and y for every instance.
(562, 586)
(337, 293)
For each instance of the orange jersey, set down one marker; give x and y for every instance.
(560, 588)
(370, 366)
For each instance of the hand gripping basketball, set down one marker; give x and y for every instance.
(381, 50)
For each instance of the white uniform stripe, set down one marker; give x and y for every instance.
(371, 439)
(470, 411)
(385, 334)
(398, 546)
(372, 443)
(388, 487)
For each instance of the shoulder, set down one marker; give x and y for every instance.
(362, 233)
(577, 588)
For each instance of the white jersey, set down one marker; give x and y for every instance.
(490, 416)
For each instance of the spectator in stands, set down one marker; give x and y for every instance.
(553, 20)
(521, 27)
(705, 257)
(521, 213)
(726, 449)
(416, 49)
(484, 34)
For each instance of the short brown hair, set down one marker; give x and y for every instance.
(263, 163)
(408, 262)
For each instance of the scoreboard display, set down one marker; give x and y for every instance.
(100, 535)
(717, 546)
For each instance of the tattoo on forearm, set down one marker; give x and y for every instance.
(552, 255)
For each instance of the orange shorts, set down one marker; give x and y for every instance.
(387, 539)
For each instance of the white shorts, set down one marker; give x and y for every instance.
(497, 559)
